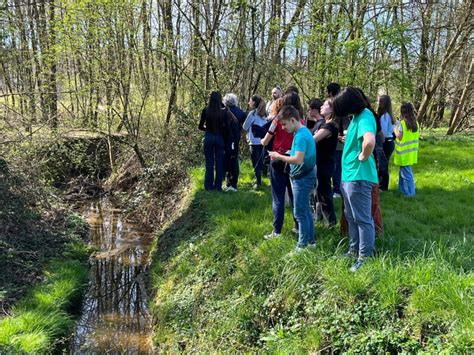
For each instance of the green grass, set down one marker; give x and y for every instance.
(220, 286)
(38, 322)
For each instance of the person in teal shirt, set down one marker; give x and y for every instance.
(359, 172)
(302, 162)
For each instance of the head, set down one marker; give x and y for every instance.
(292, 88)
(333, 89)
(385, 106)
(289, 118)
(407, 113)
(276, 93)
(314, 108)
(258, 103)
(327, 109)
(293, 99)
(349, 101)
(215, 99)
(276, 106)
(230, 100)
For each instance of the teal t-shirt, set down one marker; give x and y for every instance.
(303, 142)
(352, 168)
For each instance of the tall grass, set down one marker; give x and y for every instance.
(221, 286)
(39, 321)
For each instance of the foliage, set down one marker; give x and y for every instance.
(220, 286)
(37, 323)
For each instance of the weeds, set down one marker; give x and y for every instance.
(221, 286)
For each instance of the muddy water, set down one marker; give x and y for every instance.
(114, 316)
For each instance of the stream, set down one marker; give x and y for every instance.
(114, 314)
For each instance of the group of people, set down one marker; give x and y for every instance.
(342, 146)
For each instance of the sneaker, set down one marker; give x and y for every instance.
(357, 265)
(351, 254)
(272, 235)
(295, 251)
(231, 189)
(336, 195)
(312, 246)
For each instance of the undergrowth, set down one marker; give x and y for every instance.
(220, 286)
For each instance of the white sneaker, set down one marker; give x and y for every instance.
(336, 195)
(272, 235)
(312, 246)
(231, 189)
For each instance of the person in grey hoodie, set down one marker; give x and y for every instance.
(256, 116)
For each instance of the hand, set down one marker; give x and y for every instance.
(361, 157)
(274, 155)
(343, 139)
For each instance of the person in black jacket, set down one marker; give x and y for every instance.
(215, 121)
(232, 149)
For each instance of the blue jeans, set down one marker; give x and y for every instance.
(336, 177)
(214, 154)
(406, 181)
(358, 210)
(301, 192)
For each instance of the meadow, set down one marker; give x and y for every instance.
(218, 285)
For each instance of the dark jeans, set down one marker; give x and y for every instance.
(214, 154)
(257, 161)
(279, 182)
(232, 176)
(325, 172)
(388, 147)
(336, 178)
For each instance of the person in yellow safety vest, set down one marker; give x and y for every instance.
(407, 133)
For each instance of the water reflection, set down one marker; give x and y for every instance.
(114, 316)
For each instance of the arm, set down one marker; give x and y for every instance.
(398, 132)
(265, 140)
(203, 119)
(368, 145)
(321, 134)
(296, 159)
(248, 122)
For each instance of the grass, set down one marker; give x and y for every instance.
(220, 286)
(39, 321)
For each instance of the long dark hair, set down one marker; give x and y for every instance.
(259, 105)
(385, 106)
(214, 106)
(352, 100)
(349, 101)
(293, 99)
(407, 113)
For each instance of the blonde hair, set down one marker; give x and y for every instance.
(276, 106)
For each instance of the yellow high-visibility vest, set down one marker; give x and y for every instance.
(406, 149)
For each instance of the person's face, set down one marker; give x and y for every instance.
(313, 113)
(289, 125)
(276, 94)
(326, 109)
(251, 103)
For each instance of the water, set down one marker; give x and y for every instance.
(114, 316)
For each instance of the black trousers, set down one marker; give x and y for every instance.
(324, 191)
(387, 150)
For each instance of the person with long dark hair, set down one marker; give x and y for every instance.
(214, 121)
(385, 115)
(326, 142)
(359, 172)
(407, 132)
